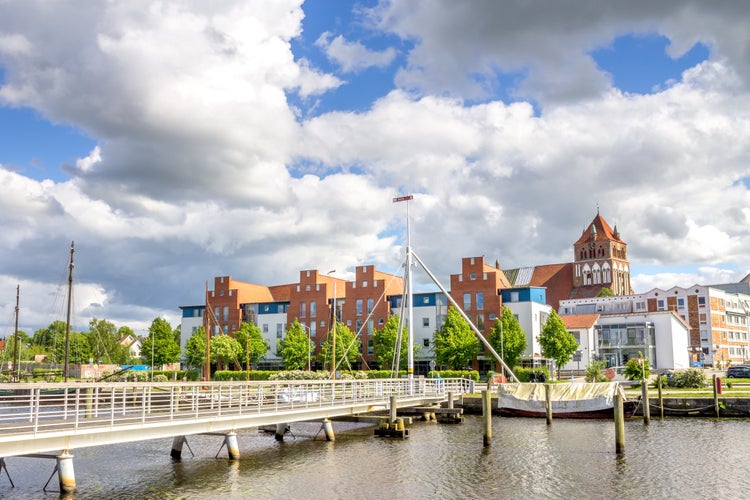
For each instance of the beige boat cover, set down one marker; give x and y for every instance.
(568, 397)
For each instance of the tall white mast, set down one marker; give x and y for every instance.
(409, 295)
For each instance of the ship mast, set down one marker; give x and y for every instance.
(16, 350)
(67, 321)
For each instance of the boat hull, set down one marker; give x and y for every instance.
(629, 408)
(567, 400)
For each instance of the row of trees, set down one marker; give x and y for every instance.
(455, 344)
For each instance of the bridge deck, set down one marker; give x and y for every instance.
(36, 418)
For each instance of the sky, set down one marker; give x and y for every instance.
(176, 141)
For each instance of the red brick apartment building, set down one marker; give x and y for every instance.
(477, 290)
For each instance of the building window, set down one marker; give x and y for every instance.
(313, 309)
(226, 313)
(480, 301)
(370, 326)
(307, 288)
(473, 276)
(359, 325)
(358, 306)
(660, 305)
(265, 327)
(514, 296)
(681, 303)
(467, 301)
(226, 329)
(702, 301)
(370, 346)
(302, 309)
(480, 322)
(426, 342)
(279, 330)
(221, 293)
(370, 305)
(364, 284)
(425, 300)
(313, 328)
(493, 316)
(425, 321)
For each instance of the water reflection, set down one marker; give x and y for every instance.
(690, 458)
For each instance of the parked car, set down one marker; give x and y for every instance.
(738, 371)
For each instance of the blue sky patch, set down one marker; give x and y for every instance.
(640, 64)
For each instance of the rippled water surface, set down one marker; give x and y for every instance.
(689, 458)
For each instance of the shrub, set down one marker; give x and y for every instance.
(595, 372)
(299, 375)
(385, 374)
(470, 374)
(524, 374)
(692, 378)
(241, 375)
(637, 369)
(160, 378)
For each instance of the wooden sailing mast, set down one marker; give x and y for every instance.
(16, 351)
(70, 300)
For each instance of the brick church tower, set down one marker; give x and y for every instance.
(601, 259)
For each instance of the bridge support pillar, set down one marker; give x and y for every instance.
(233, 449)
(328, 429)
(280, 431)
(177, 443)
(65, 473)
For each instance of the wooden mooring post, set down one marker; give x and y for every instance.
(619, 424)
(548, 402)
(644, 403)
(717, 391)
(661, 396)
(487, 416)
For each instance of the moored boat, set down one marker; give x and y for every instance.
(568, 400)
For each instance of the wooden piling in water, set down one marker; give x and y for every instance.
(644, 402)
(661, 398)
(716, 395)
(487, 416)
(548, 402)
(619, 424)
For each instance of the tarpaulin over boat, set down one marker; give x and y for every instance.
(566, 398)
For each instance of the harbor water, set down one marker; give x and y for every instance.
(673, 458)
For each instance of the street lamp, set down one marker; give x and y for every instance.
(333, 350)
(309, 331)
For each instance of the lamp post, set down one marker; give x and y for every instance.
(309, 330)
(333, 329)
(152, 356)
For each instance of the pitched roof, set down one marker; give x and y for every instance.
(579, 320)
(603, 231)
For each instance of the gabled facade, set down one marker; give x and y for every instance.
(600, 261)
(477, 291)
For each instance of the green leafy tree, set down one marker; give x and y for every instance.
(384, 344)
(160, 344)
(455, 342)
(346, 342)
(224, 349)
(79, 352)
(48, 340)
(507, 337)
(295, 348)
(251, 342)
(637, 369)
(195, 348)
(23, 346)
(104, 341)
(556, 341)
(606, 292)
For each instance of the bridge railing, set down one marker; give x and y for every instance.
(42, 407)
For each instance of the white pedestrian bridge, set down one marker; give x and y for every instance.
(39, 418)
